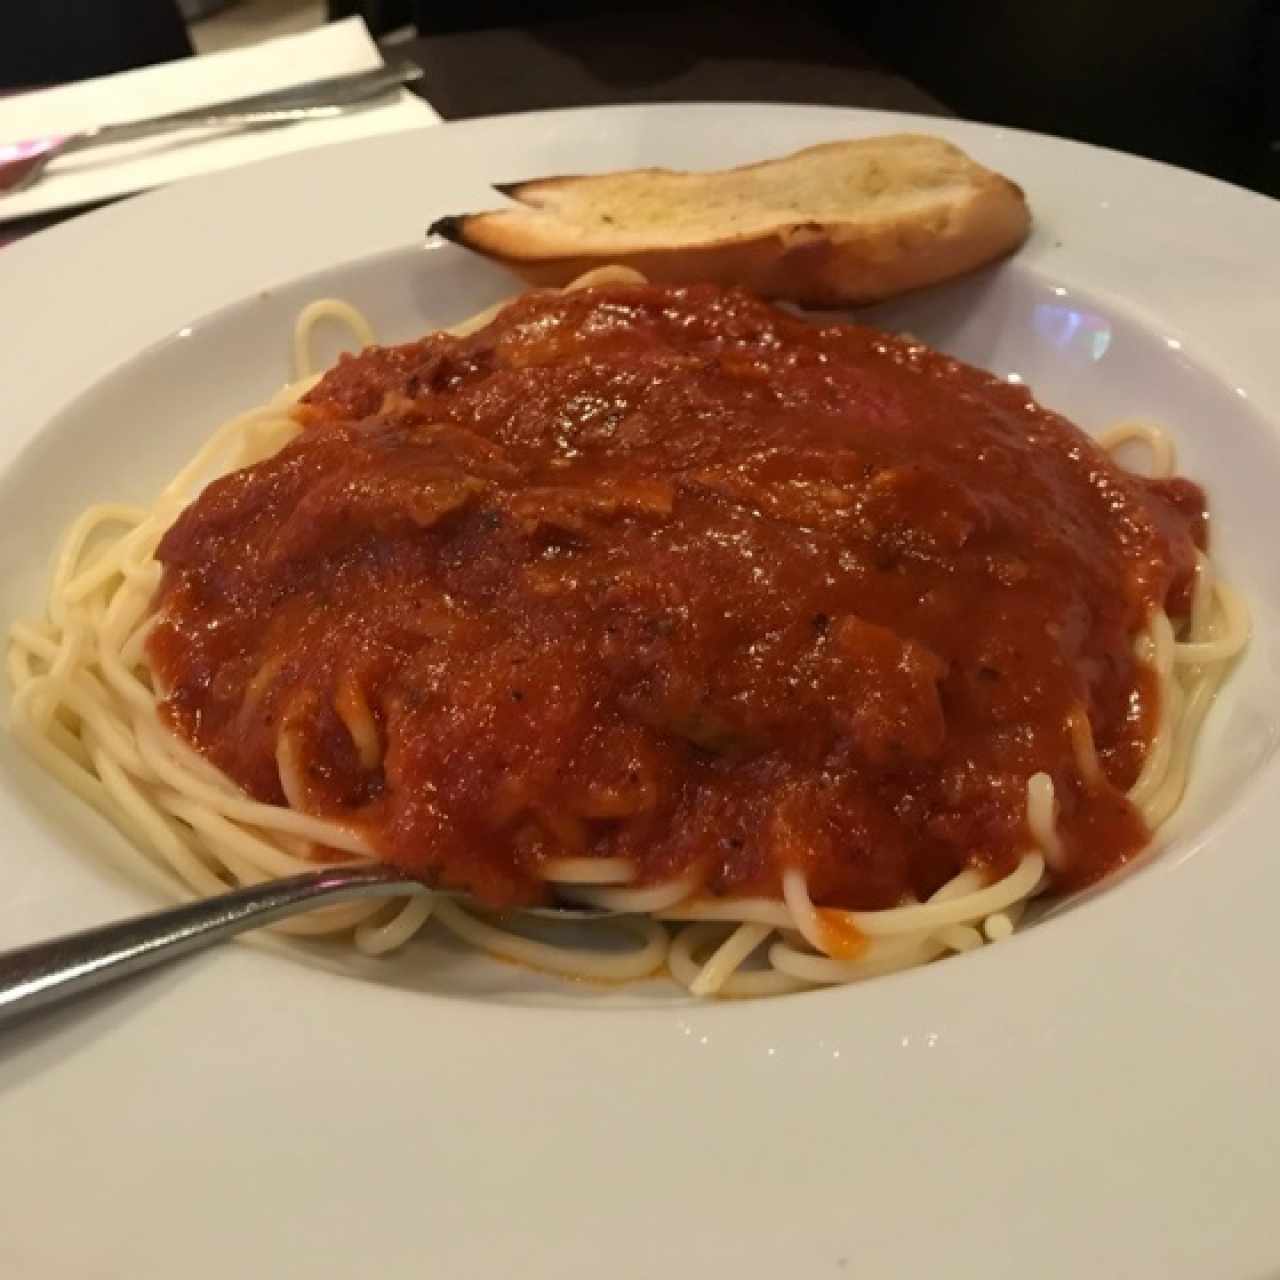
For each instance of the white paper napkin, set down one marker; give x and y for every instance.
(102, 173)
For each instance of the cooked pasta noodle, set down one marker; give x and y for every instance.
(85, 704)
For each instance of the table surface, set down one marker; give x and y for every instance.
(755, 53)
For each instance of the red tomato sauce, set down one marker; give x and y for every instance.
(673, 575)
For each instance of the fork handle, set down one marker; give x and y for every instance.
(46, 973)
(315, 100)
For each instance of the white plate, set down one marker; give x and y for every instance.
(1094, 1097)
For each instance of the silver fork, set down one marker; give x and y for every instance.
(47, 973)
(22, 163)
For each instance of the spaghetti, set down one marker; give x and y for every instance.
(94, 706)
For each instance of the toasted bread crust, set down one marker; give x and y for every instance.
(865, 256)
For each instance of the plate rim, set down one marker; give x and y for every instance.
(950, 1005)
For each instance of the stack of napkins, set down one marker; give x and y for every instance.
(101, 173)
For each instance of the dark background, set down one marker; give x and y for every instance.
(1192, 82)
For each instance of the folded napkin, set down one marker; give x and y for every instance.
(102, 173)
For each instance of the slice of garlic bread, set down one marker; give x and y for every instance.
(833, 225)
